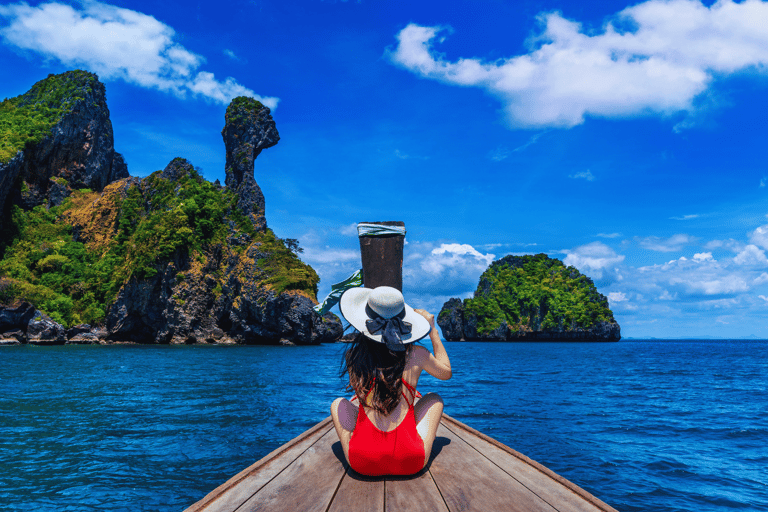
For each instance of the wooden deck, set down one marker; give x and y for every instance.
(468, 471)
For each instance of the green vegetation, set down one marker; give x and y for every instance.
(536, 292)
(25, 120)
(154, 221)
(240, 109)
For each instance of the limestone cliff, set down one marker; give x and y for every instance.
(530, 298)
(92, 255)
(57, 137)
(248, 130)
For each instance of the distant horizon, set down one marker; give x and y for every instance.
(610, 136)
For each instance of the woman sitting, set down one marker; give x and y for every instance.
(389, 432)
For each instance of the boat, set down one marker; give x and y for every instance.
(467, 471)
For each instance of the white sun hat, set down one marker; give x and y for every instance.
(381, 310)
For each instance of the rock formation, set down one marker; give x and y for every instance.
(248, 130)
(170, 258)
(530, 298)
(77, 152)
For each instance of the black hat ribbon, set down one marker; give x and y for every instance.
(391, 329)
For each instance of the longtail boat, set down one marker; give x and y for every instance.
(467, 471)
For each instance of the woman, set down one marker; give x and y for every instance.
(388, 432)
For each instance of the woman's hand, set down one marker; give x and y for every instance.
(430, 317)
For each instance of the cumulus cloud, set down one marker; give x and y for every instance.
(751, 255)
(593, 259)
(656, 57)
(117, 43)
(760, 237)
(445, 269)
(671, 244)
(703, 256)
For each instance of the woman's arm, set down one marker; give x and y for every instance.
(437, 365)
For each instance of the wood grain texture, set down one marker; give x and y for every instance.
(414, 494)
(559, 492)
(468, 481)
(359, 494)
(308, 484)
(235, 491)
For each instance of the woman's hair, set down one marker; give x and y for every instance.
(372, 364)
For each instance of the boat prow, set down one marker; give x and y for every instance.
(468, 471)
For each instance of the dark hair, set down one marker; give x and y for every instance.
(370, 364)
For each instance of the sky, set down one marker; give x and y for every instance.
(626, 139)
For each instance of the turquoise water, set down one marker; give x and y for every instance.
(643, 425)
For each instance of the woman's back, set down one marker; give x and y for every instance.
(388, 432)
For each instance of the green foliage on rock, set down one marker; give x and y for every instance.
(156, 220)
(242, 109)
(25, 120)
(46, 267)
(533, 293)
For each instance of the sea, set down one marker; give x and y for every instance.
(644, 425)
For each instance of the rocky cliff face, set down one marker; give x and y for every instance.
(248, 130)
(170, 258)
(76, 152)
(530, 298)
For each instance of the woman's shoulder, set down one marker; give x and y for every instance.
(418, 355)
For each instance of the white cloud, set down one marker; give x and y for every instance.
(609, 235)
(727, 285)
(617, 297)
(730, 244)
(593, 259)
(686, 217)
(445, 269)
(751, 255)
(670, 56)
(763, 297)
(117, 43)
(671, 244)
(760, 236)
(761, 279)
(231, 54)
(703, 256)
(455, 255)
(585, 175)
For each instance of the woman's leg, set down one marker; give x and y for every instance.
(344, 414)
(428, 411)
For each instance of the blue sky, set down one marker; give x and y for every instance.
(627, 139)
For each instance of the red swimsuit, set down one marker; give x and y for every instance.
(400, 451)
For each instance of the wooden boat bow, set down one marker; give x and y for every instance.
(468, 471)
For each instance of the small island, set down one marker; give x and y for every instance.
(530, 298)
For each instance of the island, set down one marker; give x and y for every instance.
(90, 254)
(530, 298)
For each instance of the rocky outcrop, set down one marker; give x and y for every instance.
(78, 152)
(530, 298)
(248, 130)
(42, 330)
(451, 320)
(15, 316)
